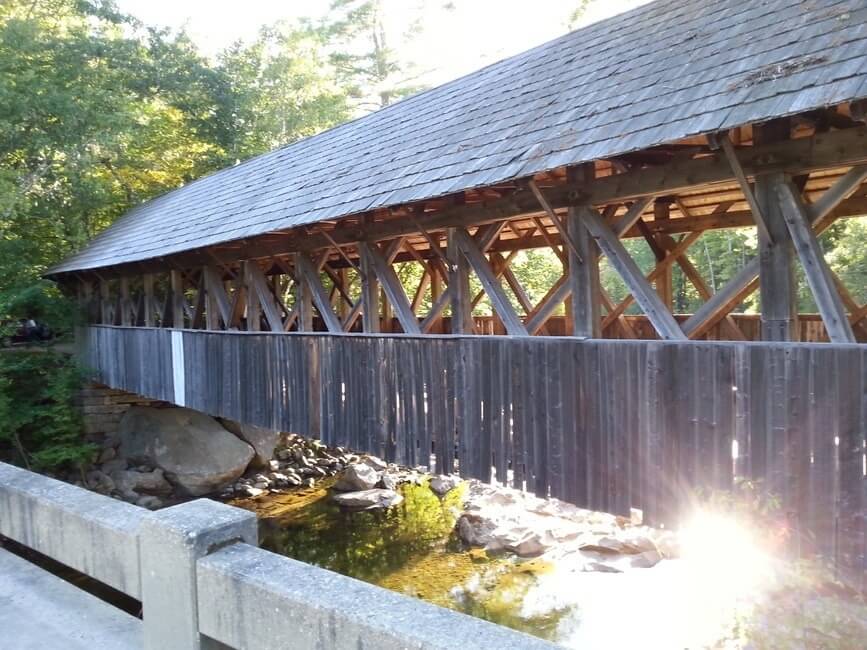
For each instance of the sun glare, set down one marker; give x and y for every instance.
(729, 570)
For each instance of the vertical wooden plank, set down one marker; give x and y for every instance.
(580, 429)
(518, 372)
(450, 382)
(554, 418)
(484, 374)
(541, 405)
(593, 409)
(851, 507)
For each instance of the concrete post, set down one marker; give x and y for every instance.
(171, 542)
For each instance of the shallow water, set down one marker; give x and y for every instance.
(412, 549)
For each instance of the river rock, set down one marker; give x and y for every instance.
(443, 484)
(529, 544)
(100, 482)
(150, 502)
(606, 544)
(601, 567)
(388, 482)
(368, 499)
(357, 477)
(114, 465)
(194, 450)
(375, 462)
(281, 480)
(142, 482)
(263, 441)
(646, 560)
(476, 529)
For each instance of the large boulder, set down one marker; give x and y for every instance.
(193, 449)
(153, 483)
(358, 476)
(263, 441)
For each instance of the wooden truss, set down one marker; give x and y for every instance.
(345, 279)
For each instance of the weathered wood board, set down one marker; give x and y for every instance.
(605, 424)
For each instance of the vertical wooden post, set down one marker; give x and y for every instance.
(664, 286)
(343, 307)
(212, 310)
(459, 286)
(777, 283)
(583, 305)
(176, 280)
(304, 297)
(369, 292)
(583, 279)
(387, 311)
(436, 285)
(147, 282)
(104, 302)
(254, 310)
(86, 298)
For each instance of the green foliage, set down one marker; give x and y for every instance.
(99, 113)
(41, 301)
(277, 90)
(39, 426)
(374, 72)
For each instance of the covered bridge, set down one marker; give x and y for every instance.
(268, 292)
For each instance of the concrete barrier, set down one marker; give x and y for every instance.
(89, 532)
(204, 584)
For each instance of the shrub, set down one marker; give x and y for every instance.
(40, 427)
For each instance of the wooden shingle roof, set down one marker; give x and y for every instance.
(665, 71)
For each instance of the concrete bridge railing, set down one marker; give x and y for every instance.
(204, 584)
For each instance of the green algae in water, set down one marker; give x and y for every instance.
(500, 598)
(410, 548)
(368, 545)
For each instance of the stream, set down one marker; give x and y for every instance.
(721, 598)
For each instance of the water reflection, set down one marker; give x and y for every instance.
(410, 548)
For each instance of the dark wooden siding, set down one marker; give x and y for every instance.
(604, 424)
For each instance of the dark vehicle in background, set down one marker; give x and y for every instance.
(25, 331)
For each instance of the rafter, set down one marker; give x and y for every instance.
(392, 287)
(746, 280)
(308, 275)
(662, 320)
(492, 286)
(747, 190)
(814, 264)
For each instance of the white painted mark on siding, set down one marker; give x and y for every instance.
(178, 368)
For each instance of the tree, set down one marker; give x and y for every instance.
(276, 90)
(367, 39)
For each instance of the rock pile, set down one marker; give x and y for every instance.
(166, 455)
(498, 519)
(297, 462)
